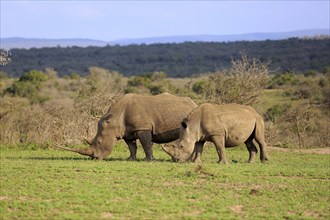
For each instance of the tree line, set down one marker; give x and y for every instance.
(176, 60)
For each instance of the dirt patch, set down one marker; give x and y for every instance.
(172, 184)
(23, 198)
(238, 209)
(4, 198)
(306, 151)
(107, 215)
(193, 213)
(311, 214)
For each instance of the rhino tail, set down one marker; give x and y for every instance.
(259, 136)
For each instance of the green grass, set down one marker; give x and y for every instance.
(50, 184)
(271, 97)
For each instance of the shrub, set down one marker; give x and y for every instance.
(97, 92)
(157, 76)
(154, 83)
(29, 86)
(64, 121)
(200, 86)
(284, 79)
(22, 89)
(276, 111)
(34, 77)
(243, 83)
(139, 81)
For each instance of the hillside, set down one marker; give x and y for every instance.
(226, 38)
(27, 43)
(176, 60)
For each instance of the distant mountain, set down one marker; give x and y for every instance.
(26, 43)
(225, 38)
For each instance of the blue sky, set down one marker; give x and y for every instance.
(112, 20)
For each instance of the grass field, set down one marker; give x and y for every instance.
(51, 184)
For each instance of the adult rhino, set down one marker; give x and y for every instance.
(225, 125)
(146, 118)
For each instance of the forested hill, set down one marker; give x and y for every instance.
(176, 60)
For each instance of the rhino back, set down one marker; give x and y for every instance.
(236, 120)
(160, 113)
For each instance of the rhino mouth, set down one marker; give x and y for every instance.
(97, 158)
(175, 160)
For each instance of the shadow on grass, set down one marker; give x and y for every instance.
(89, 159)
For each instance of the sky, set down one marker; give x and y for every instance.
(113, 20)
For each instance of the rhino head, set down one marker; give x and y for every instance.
(183, 150)
(102, 145)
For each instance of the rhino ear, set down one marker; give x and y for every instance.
(184, 123)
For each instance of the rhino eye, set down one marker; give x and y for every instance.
(107, 118)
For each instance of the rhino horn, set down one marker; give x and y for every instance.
(88, 141)
(168, 149)
(83, 151)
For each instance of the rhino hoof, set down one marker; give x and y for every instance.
(197, 161)
(222, 162)
(264, 160)
(131, 159)
(149, 159)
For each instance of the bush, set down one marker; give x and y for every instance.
(284, 79)
(156, 89)
(29, 86)
(35, 77)
(243, 83)
(139, 81)
(97, 92)
(200, 86)
(298, 125)
(276, 111)
(22, 89)
(66, 120)
(154, 83)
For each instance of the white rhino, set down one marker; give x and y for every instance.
(225, 125)
(147, 118)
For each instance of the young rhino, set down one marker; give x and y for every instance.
(225, 125)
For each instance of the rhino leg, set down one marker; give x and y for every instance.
(260, 138)
(132, 149)
(145, 138)
(219, 142)
(198, 150)
(262, 146)
(252, 150)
